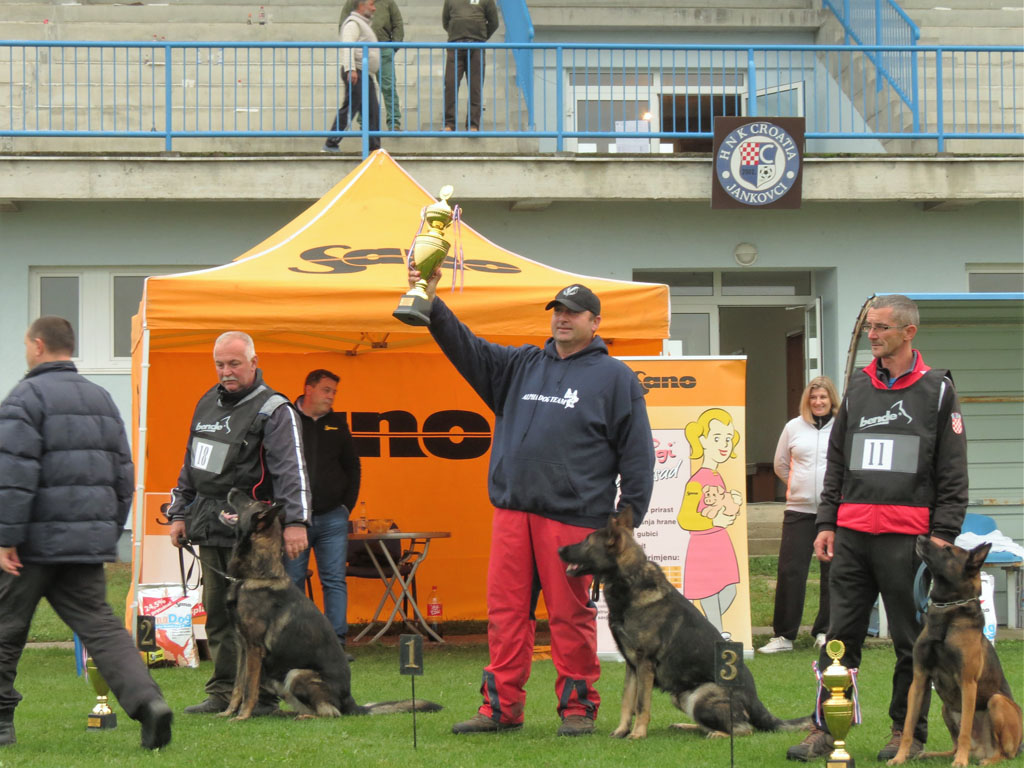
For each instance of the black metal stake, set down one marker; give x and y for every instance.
(413, 678)
(732, 736)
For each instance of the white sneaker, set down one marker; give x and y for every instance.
(820, 640)
(776, 645)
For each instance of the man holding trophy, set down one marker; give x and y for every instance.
(569, 420)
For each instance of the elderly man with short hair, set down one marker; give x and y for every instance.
(244, 435)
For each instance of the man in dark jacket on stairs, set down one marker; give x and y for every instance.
(66, 482)
(466, 21)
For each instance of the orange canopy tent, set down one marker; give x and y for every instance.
(319, 294)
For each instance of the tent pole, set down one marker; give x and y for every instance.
(139, 521)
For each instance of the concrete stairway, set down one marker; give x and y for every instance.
(976, 103)
(764, 527)
(271, 97)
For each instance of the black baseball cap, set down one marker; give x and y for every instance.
(577, 298)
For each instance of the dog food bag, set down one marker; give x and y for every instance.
(173, 613)
(988, 608)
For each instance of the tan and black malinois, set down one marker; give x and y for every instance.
(665, 640)
(953, 653)
(280, 633)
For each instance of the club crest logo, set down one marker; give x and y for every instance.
(757, 163)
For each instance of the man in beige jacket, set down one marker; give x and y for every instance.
(356, 29)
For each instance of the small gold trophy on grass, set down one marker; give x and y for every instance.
(429, 249)
(102, 717)
(838, 709)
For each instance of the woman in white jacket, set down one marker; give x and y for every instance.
(800, 463)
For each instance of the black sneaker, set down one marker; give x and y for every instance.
(7, 733)
(156, 719)
(576, 725)
(888, 752)
(212, 705)
(817, 743)
(479, 723)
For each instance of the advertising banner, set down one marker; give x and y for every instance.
(696, 528)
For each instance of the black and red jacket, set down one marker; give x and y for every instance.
(897, 456)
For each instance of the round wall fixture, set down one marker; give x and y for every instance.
(745, 254)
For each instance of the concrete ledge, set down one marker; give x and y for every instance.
(303, 177)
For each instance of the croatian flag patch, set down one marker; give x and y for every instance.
(958, 423)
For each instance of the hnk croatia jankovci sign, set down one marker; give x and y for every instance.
(758, 162)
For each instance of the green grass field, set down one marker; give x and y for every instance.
(51, 720)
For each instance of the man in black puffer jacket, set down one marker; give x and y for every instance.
(66, 479)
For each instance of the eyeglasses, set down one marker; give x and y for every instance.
(880, 328)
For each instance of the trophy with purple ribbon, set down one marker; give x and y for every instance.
(429, 249)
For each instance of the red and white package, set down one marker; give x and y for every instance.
(173, 614)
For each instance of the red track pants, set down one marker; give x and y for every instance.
(524, 547)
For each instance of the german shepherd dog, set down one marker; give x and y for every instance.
(280, 633)
(665, 640)
(954, 654)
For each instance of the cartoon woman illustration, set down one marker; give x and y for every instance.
(710, 573)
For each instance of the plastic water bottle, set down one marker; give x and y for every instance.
(362, 525)
(435, 612)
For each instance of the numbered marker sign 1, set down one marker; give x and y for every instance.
(410, 655)
(728, 663)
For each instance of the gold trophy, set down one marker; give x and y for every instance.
(102, 717)
(429, 249)
(838, 709)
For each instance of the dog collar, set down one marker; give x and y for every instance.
(955, 602)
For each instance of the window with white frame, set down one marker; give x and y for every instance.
(99, 302)
(995, 278)
(627, 93)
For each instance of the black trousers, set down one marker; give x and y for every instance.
(863, 567)
(795, 553)
(353, 105)
(459, 62)
(78, 593)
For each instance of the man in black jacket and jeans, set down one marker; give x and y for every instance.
(334, 475)
(66, 491)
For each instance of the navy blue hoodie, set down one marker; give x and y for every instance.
(564, 430)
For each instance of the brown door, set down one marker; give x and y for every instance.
(794, 373)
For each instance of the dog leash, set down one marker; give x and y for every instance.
(186, 546)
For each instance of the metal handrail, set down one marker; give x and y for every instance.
(883, 23)
(519, 29)
(583, 93)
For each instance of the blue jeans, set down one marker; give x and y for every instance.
(328, 538)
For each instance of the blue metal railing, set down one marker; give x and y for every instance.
(519, 29)
(883, 23)
(585, 97)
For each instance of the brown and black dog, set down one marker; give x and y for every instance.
(665, 640)
(281, 635)
(953, 653)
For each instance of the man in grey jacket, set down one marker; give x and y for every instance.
(356, 29)
(244, 435)
(388, 27)
(65, 494)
